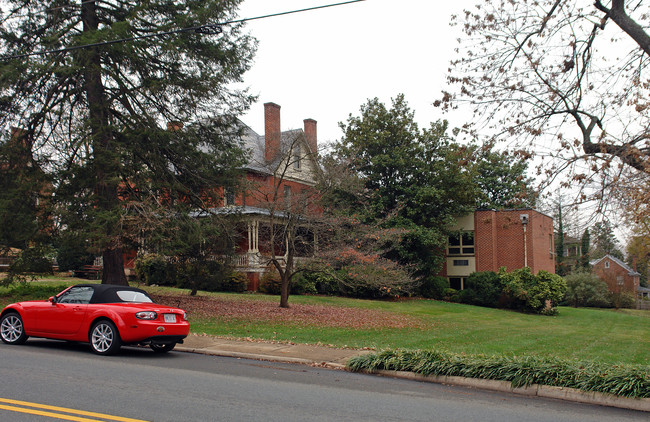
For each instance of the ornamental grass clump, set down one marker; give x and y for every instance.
(520, 371)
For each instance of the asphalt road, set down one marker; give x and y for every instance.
(141, 385)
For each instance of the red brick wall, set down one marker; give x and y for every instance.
(540, 243)
(499, 240)
(485, 232)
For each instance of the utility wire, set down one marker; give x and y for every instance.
(51, 9)
(209, 29)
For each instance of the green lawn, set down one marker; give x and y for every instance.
(603, 335)
(588, 334)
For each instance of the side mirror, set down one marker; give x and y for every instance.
(53, 300)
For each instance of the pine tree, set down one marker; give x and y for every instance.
(97, 87)
(605, 242)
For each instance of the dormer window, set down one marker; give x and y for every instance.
(296, 156)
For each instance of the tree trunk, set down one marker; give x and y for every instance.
(113, 272)
(284, 290)
(104, 161)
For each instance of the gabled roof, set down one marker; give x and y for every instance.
(619, 262)
(255, 144)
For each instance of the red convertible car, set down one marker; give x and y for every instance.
(107, 316)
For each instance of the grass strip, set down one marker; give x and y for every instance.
(521, 371)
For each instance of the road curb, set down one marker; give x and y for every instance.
(256, 356)
(535, 390)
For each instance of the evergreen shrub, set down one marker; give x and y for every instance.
(32, 260)
(212, 276)
(433, 287)
(270, 282)
(154, 269)
(483, 289)
(72, 254)
(586, 289)
(525, 291)
(622, 300)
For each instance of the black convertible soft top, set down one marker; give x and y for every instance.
(107, 293)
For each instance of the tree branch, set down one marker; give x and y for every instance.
(628, 25)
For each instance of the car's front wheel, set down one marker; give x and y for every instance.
(104, 338)
(12, 330)
(162, 348)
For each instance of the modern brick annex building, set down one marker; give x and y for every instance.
(490, 239)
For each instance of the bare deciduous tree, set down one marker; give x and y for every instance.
(565, 78)
(293, 213)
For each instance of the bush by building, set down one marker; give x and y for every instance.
(482, 288)
(586, 289)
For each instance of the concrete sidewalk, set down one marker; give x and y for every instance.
(276, 352)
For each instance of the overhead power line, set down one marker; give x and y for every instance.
(210, 29)
(50, 9)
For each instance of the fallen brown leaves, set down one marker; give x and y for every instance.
(259, 310)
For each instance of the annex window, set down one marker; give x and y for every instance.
(457, 283)
(606, 264)
(461, 244)
(461, 262)
(619, 280)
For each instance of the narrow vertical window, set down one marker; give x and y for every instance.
(287, 195)
(296, 156)
(228, 197)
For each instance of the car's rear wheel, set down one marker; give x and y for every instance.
(162, 348)
(12, 330)
(104, 338)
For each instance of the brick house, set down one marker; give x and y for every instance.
(619, 276)
(490, 239)
(281, 175)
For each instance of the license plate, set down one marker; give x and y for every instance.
(170, 317)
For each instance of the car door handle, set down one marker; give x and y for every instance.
(77, 308)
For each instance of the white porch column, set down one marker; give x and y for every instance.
(253, 237)
(250, 237)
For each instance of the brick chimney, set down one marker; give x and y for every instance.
(311, 134)
(272, 132)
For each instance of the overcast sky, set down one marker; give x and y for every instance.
(324, 64)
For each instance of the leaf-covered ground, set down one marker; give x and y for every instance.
(298, 314)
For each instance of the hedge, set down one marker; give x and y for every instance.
(521, 371)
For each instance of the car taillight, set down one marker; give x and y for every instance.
(146, 315)
(185, 316)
